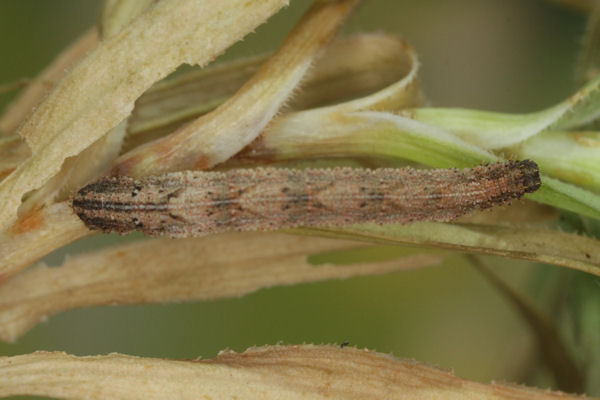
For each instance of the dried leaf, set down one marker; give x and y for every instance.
(36, 235)
(159, 271)
(279, 372)
(174, 101)
(351, 67)
(359, 66)
(116, 13)
(215, 137)
(78, 170)
(99, 93)
(37, 90)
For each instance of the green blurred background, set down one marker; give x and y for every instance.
(504, 55)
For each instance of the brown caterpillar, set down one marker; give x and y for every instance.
(184, 204)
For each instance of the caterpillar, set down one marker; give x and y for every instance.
(195, 203)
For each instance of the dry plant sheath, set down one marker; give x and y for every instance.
(270, 373)
(186, 204)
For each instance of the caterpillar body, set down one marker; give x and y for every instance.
(192, 203)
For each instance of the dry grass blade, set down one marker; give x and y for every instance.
(351, 67)
(159, 271)
(36, 235)
(100, 92)
(17, 111)
(175, 101)
(217, 136)
(279, 372)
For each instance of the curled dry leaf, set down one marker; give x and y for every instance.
(351, 67)
(278, 372)
(358, 66)
(100, 91)
(159, 271)
(215, 137)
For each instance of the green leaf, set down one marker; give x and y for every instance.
(516, 241)
(494, 130)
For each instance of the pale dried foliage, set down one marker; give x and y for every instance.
(217, 136)
(278, 372)
(101, 90)
(109, 111)
(198, 269)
